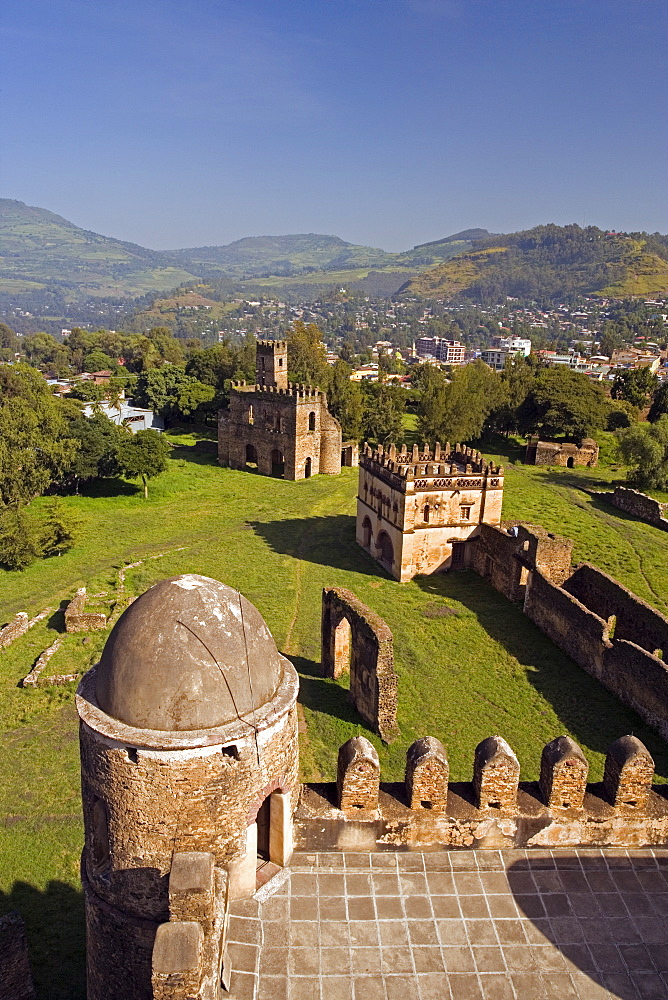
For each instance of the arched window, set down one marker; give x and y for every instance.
(366, 533)
(251, 419)
(425, 513)
(311, 421)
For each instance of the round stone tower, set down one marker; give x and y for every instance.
(188, 749)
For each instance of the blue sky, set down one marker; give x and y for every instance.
(387, 122)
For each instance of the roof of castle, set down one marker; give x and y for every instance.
(189, 654)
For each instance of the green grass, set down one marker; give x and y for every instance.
(481, 668)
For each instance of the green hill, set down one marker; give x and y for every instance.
(40, 250)
(550, 262)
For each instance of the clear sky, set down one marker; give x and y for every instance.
(387, 122)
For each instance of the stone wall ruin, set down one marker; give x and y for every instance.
(639, 505)
(606, 629)
(354, 637)
(76, 617)
(563, 453)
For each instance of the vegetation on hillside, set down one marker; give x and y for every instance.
(551, 263)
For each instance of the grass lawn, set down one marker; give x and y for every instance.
(469, 663)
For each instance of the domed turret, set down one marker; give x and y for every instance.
(190, 653)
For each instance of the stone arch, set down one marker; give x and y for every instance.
(353, 633)
(311, 420)
(307, 468)
(570, 462)
(385, 550)
(251, 455)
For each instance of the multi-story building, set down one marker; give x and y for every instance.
(416, 511)
(449, 351)
(278, 428)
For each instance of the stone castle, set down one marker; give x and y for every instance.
(278, 428)
(418, 510)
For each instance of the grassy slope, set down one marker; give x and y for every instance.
(483, 668)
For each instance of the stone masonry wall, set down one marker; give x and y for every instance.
(638, 504)
(76, 618)
(572, 626)
(504, 555)
(15, 975)
(373, 681)
(636, 620)
(14, 629)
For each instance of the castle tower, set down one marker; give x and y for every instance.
(189, 771)
(271, 363)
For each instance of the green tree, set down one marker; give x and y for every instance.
(57, 530)
(98, 361)
(635, 385)
(19, 544)
(36, 446)
(563, 402)
(170, 392)
(144, 456)
(645, 449)
(99, 441)
(659, 404)
(432, 405)
(345, 401)
(457, 411)
(307, 357)
(384, 409)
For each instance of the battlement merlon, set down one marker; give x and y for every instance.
(294, 391)
(437, 470)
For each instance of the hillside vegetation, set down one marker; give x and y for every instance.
(550, 262)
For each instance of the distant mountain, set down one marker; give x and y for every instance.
(39, 249)
(550, 262)
(283, 256)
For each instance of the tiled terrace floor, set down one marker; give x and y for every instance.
(457, 925)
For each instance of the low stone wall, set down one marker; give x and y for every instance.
(640, 680)
(15, 975)
(32, 679)
(504, 555)
(495, 810)
(14, 629)
(638, 504)
(76, 618)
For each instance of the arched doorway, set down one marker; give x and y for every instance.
(571, 462)
(277, 464)
(386, 549)
(366, 533)
(251, 457)
(307, 469)
(342, 636)
(268, 845)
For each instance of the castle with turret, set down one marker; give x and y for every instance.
(276, 427)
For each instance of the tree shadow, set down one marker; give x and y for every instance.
(98, 489)
(324, 695)
(55, 924)
(201, 453)
(591, 713)
(328, 540)
(603, 912)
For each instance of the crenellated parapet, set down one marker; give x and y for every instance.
(494, 809)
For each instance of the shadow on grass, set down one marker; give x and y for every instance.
(201, 453)
(57, 620)
(321, 694)
(592, 714)
(56, 936)
(312, 539)
(103, 488)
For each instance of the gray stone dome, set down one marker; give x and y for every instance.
(190, 653)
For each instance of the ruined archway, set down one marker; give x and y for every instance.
(251, 457)
(354, 637)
